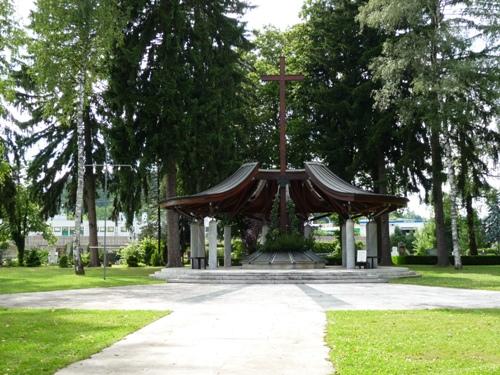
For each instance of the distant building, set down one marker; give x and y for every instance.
(117, 233)
(326, 227)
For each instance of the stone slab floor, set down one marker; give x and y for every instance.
(236, 329)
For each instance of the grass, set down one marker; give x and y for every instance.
(415, 342)
(40, 341)
(39, 279)
(470, 277)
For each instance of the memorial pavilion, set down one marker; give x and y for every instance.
(250, 192)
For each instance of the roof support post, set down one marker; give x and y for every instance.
(263, 234)
(371, 241)
(227, 246)
(212, 244)
(201, 239)
(343, 243)
(194, 239)
(350, 244)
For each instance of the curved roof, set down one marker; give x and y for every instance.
(316, 189)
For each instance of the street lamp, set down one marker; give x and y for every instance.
(105, 167)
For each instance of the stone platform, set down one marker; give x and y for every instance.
(283, 260)
(238, 275)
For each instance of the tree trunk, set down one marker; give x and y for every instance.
(453, 197)
(384, 240)
(437, 198)
(173, 246)
(81, 174)
(470, 224)
(90, 199)
(21, 245)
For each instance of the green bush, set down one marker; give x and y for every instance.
(149, 246)
(401, 238)
(11, 262)
(63, 261)
(480, 260)
(33, 259)
(425, 238)
(332, 248)
(288, 242)
(44, 256)
(132, 254)
(488, 251)
(85, 259)
(333, 260)
(156, 259)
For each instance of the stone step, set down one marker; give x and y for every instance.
(262, 281)
(244, 276)
(279, 277)
(216, 274)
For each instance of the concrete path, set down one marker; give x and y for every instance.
(236, 329)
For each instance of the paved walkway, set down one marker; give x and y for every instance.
(236, 329)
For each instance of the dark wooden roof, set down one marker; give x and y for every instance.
(316, 189)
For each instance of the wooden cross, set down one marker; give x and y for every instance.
(283, 78)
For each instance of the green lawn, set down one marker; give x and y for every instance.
(39, 279)
(470, 277)
(40, 341)
(415, 342)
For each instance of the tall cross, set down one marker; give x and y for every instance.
(283, 78)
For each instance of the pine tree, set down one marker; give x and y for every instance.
(173, 99)
(430, 41)
(355, 139)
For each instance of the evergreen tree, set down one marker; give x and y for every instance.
(429, 40)
(70, 48)
(355, 139)
(174, 99)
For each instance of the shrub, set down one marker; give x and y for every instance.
(333, 260)
(63, 261)
(149, 246)
(407, 240)
(156, 259)
(33, 259)
(489, 251)
(238, 249)
(85, 259)
(288, 242)
(425, 238)
(132, 254)
(44, 256)
(11, 262)
(432, 260)
(331, 248)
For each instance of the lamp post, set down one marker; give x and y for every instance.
(105, 167)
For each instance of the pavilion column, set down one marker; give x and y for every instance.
(307, 230)
(227, 246)
(201, 239)
(371, 241)
(350, 245)
(194, 239)
(343, 243)
(212, 244)
(265, 231)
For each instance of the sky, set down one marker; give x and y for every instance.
(279, 13)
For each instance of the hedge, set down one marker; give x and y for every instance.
(333, 260)
(467, 260)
